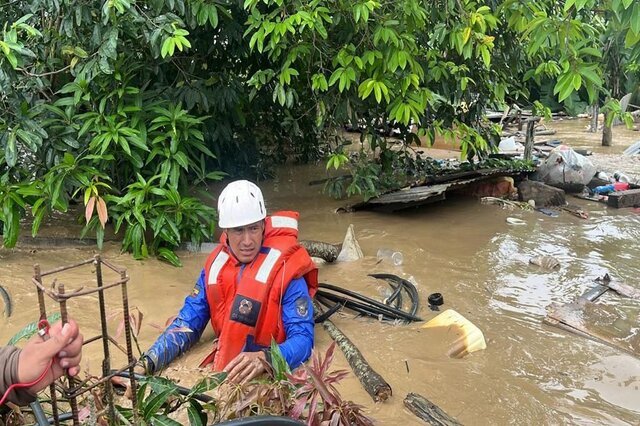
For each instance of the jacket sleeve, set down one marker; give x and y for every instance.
(9, 375)
(297, 317)
(176, 339)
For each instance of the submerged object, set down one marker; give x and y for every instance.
(467, 337)
(6, 298)
(515, 221)
(545, 262)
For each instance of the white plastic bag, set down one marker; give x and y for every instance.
(564, 166)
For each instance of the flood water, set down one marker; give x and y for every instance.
(530, 372)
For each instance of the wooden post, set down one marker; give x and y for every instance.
(528, 144)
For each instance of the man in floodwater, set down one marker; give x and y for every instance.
(256, 286)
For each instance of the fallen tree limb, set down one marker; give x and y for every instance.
(428, 411)
(326, 251)
(371, 381)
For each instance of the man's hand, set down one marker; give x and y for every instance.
(245, 367)
(64, 346)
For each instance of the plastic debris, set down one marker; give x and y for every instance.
(468, 337)
(515, 221)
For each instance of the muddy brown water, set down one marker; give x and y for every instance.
(530, 373)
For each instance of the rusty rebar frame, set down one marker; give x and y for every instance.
(61, 296)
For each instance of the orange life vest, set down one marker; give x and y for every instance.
(250, 305)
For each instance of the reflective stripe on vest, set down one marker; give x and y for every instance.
(284, 222)
(216, 267)
(267, 265)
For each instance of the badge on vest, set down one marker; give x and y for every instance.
(302, 307)
(245, 310)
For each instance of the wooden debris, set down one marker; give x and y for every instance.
(433, 189)
(546, 132)
(571, 316)
(428, 411)
(619, 199)
(624, 289)
(576, 211)
(506, 204)
(371, 381)
(529, 137)
(410, 197)
(620, 288)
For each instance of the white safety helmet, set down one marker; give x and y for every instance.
(240, 204)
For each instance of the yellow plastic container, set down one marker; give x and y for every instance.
(467, 338)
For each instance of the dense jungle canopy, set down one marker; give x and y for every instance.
(123, 106)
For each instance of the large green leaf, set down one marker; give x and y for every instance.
(31, 329)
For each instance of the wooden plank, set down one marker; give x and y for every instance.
(620, 199)
(623, 289)
(572, 316)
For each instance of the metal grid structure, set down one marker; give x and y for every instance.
(75, 388)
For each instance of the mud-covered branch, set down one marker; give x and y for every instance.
(372, 382)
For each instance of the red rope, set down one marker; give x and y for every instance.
(43, 330)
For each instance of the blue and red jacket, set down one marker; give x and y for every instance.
(285, 311)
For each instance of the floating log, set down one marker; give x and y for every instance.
(621, 199)
(371, 381)
(326, 251)
(428, 411)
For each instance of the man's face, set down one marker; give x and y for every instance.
(245, 241)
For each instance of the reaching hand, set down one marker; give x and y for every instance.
(246, 366)
(64, 347)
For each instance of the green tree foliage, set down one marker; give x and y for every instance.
(126, 104)
(437, 66)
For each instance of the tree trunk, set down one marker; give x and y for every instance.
(607, 135)
(326, 251)
(594, 118)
